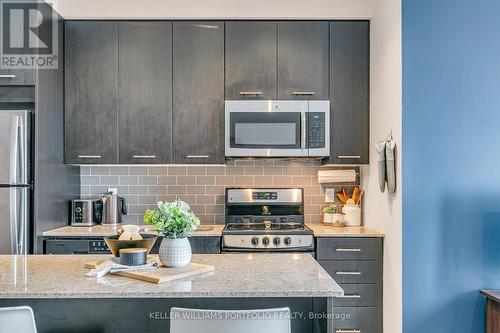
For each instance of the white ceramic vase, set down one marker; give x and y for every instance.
(175, 252)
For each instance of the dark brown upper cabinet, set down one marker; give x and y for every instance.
(349, 92)
(251, 60)
(153, 92)
(17, 77)
(303, 60)
(198, 92)
(145, 92)
(91, 92)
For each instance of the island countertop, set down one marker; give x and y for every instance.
(235, 275)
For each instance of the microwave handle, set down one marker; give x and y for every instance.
(303, 130)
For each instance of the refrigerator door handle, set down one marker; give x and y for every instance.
(14, 223)
(14, 138)
(22, 240)
(22, 152)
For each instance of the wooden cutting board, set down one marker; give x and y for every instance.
(161, 273)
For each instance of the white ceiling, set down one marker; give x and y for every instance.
(214, 9)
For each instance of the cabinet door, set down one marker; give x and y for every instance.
(349, 92)
(302, 60)
(145, 92)
(205, 244)
(91, 92)
(250, 60)
(198, 91)
(17, 77)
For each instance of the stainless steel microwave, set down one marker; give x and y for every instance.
(277, 128)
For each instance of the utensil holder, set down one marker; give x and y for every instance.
(352, 216)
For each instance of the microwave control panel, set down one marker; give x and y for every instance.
(316, 131)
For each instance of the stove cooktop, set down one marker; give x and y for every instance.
(272, 227)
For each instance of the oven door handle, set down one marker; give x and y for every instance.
(303, 130)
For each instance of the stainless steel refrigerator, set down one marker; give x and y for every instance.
(15, 181)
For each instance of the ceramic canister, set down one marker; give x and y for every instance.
(133, 256)
(352, 216)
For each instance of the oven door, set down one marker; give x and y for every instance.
(266, 128)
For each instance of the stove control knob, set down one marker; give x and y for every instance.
(287, 240)
(265, 241)
(276, 241)
(255, 241)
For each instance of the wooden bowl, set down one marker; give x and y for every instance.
(115, 245)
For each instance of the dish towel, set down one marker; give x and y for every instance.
(390, 157)
(380, 147)
(111, 266)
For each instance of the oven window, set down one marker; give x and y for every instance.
(265, 130)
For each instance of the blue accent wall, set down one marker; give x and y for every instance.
(451, 162)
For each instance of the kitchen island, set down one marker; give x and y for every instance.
(64, 299)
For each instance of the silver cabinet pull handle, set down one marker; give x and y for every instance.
(343, 330)
(144, 156)
(347, 250)
(7, 76)
(349, 157)
(350, 296)
(347, 273)
(250, 93)
(303, 93)
(197, 156)
(89, 156)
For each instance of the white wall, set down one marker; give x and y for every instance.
(383, 211)
(286, 9)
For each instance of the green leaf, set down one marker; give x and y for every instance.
(172, 219)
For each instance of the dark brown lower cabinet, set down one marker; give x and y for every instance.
(148, 315)
(356, 265)
(199, 245)
(75, 245)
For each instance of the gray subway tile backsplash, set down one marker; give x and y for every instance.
(203, 186)
(119, 170)
(99, 170)
(109, 180)
(89, 180)
(138, 170)
(129, 180)
(148, 180)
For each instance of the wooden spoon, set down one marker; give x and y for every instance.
(341, 196)
(359, 197)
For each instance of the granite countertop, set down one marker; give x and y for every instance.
(319, 229)
(324, 230)
(265, 275)
(104, 231)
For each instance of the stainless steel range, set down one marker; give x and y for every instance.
(266, 220)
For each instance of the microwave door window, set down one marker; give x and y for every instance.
(262, 134)
(261, 130)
